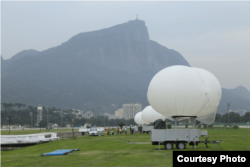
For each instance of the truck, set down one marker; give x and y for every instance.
(84, 130)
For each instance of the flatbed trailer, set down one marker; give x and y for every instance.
(147, 129)
(179, 137)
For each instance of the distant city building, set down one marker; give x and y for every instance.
(78, 113)
(88, 114)
(39, 114)
(17, 126)
(119, 113)
(129, 110)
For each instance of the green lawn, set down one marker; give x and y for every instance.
(114, 150)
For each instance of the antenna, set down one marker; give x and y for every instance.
(93, 109)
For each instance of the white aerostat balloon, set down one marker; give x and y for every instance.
(138, 119)
(184, 91)
(149, 115)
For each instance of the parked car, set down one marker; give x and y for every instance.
(93, 131)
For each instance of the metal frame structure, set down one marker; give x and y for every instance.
(179, 137)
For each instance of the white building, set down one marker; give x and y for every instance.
(119, 113)
(88, 114)
(11, 126)
(129, 110)
(78, 113)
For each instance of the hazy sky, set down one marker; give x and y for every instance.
(210, 35)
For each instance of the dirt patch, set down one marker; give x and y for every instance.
(66, 135)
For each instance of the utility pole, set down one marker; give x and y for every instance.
(9, 124)
(61, 121)
(73, 128)
(104, 120)
(47, 108)
(31, 116)
(93, 109)
(9, 118)
(228, 105)
(61, 114)
(40, 125)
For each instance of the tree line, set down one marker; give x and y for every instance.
(20, 114)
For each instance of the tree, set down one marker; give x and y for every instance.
(5, 105)
(121, 124)
(19, 105)
(218, 117)
(245, 117)
(10, 118)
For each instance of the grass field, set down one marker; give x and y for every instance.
(114, 150)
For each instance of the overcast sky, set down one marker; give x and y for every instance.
(210, 35)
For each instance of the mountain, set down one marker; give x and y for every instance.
(1, 59)
(241, 91)
(92, 69)
(239, 98)
(23, 53)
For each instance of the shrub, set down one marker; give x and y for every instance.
(236, 127)
(204, 125)
(210, 126)
(186, 125)
(199, 126)
(169, 126)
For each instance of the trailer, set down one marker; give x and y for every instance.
(179, 137)
(147, 129)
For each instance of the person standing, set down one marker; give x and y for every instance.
(132, 129)
(117, 131)
(108, 131)
(125, 130)
(120, 131)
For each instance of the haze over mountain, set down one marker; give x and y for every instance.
(93, 69)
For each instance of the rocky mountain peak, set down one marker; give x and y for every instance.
(123, 47)
(135, 30)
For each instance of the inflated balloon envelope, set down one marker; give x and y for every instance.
(149, 115)
(138, 119)
(185, 91)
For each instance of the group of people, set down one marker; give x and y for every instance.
(120, 131)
